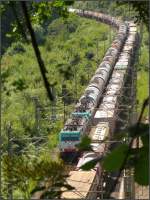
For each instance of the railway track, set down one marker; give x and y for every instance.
(95, 112)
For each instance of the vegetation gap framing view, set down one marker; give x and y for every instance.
(74, 101)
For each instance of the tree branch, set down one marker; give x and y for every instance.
(37, 52)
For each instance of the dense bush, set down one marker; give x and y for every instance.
(55, 27)
(19, 84)
(15, 48)
(39, 33)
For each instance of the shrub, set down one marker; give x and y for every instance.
(15, 48)
(72, 28)
(89, 55)
(39, 33)
(20, 84)
(55, 27)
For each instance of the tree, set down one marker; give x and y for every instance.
(75, 61)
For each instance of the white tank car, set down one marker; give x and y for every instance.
(105, 66)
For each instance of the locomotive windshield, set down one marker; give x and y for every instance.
(70, 137)
(67, 138)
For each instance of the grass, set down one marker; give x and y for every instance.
(142, 89)
(142, 74)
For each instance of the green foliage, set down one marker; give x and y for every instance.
(89, 165)
(15, 48)
(84, 145)
(143, 128)
(25, 169)
(89, 55)
(141, 166)
(141, 158)
(75, 60)
(40, 34)
(114, 161)
(55, 27)
(142, 89)
(3, 7)
(65, 71)
(40, 12)
(19, 84)
(69, 3)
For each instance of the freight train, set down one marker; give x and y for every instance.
(86, 183)
(79, 122)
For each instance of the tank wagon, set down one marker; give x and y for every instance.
(78, 124)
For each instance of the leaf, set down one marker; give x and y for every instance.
(69, 187)
(142, 129)
(68, 3)
(115, 159)
(51, 194)
(36, 189)
(8, 35)
(84, 145)
(89, 165)
(141, 173)
(145, 140)
(14, 29)
(62, 184)
(66, 176)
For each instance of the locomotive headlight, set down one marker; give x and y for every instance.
(69, 143)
